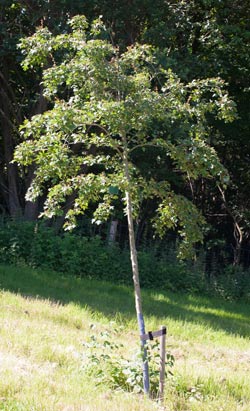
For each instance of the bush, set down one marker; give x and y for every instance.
(103, 360)
(160, 268)
(36, 245)
(233, 283)
(16, 240)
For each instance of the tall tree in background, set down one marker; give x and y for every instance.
(204, 38)
(21, 95)
(118, 103)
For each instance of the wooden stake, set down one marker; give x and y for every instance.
(162, 362)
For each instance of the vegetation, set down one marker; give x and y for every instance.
(36, 245)
(105, 109)
(195, 39)
(134, 116)
(47, 319)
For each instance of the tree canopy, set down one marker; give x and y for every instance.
(106, 106)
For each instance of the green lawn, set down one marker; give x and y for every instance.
(45, 319)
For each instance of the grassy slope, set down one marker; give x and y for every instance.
(45, 318)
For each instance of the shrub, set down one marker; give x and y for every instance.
(233, 283)
(103, 359)
(36, 245)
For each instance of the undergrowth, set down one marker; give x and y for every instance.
(36, 245)
(103, 360)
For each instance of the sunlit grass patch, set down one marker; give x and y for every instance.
(46, 320)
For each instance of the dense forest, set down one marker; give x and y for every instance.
(196, 40)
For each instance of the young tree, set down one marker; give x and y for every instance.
(105, 107)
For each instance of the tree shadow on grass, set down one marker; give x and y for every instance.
(110, 299)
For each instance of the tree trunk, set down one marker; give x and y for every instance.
(112, 232)
(59, 221)
(31, 208)
(7, 128)
(135, 271)
(238, 232)
(238, 236)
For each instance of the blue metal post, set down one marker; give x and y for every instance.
(145, 357)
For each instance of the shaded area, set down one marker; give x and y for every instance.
(112, 300)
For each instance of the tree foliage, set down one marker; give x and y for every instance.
(105, 105)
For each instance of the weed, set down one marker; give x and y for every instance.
(105, 362)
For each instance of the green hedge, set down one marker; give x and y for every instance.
(36, 245)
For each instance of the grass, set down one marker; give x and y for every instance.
(45, 318)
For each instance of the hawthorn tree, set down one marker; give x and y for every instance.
(105, 106)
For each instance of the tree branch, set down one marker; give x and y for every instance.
(8, 120)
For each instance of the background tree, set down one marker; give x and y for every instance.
(21, 95)
(212, 38)
(197, 39)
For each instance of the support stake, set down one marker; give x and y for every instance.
(162, 362)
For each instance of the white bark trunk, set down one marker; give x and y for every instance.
(112, 231)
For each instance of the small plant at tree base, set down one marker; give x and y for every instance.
(103, 359)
